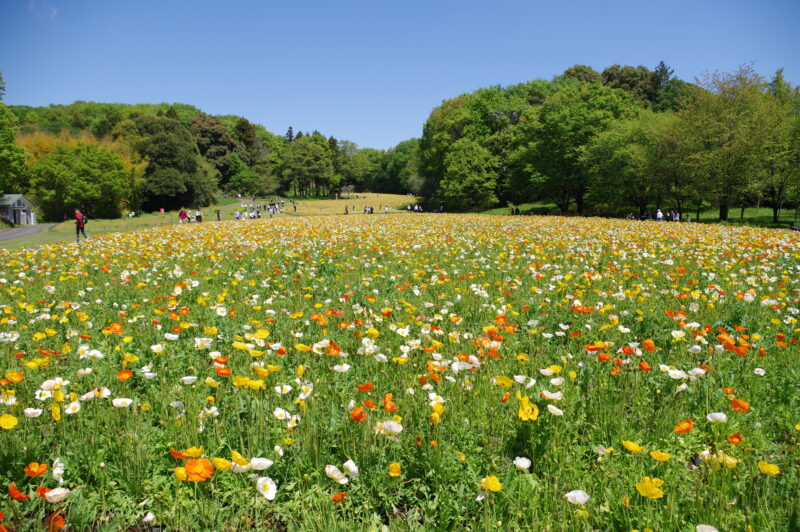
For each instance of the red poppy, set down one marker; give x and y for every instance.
(177, 454)
(339, 497)
(603, 357)
(505, 397)
(223, 372)
(15, 494)
(735, 439)
(365, 387)
(369, 404)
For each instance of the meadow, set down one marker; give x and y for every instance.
(403, 372)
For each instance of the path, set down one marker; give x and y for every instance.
(21, 232)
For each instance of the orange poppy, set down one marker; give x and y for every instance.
(55, 521)
(684, 426)
(740, 405)
(34, 469)
(223, 372)
(124, 375)
(648, 345)
(41, 491)
(358, 414)
(735, 439)
(15, 494)
(603, 357)
(198, 470)
(388, 404)
(365, 387)
(177, 454)
(369, 404)
(644, 366)
(505, 397)
(339, 497)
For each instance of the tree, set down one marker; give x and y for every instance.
(552, 138)
(583, 73)
(175, 176)
(306, 166)
(290, 135)
(469, 178)
(722, 122)
(637, 81)
(85, 177)
(13, 170)
(216, 145)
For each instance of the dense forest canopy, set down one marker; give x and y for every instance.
(624, 140)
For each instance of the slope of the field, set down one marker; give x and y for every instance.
(419, 372)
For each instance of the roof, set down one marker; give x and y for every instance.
(10, 199)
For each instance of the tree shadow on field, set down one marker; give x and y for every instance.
(531, 440)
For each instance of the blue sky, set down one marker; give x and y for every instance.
(367, 71)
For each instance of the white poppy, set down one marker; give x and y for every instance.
(266, 487)
(579, 497)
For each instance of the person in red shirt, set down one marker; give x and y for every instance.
(80, 225)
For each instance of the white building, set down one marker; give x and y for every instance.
(17, 209)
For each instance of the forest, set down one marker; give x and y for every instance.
(623, 141)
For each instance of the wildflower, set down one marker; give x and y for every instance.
(394, 469)
(659, 456)
(768, 469)
(648, 487)
(73, 408)
(491, 483)
(32, 412)
(735, 439)
(358, 414)
(522, 463)
(198, 470)
(717, 417)
(339, 497)
(351, 468)
(334, 474)
(193, 452)
(684, 426)
(16, 494)
(122, 402)
(34, 469)
(266, 487)
(221, 464)
(8, 422)
(740, 406)
(527, 411)
(260, 464)
(555, 411)
(578, 497)
(56, 495)
(635, 448)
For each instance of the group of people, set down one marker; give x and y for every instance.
(253, 211)
(184, 218)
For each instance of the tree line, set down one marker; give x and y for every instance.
(111, 158)
(624, 140)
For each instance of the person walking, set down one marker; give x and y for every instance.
(80, 225)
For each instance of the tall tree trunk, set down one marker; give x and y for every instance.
(723, 209)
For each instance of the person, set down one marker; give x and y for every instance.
(183, 217)
(80, 225)
(198, 216)
(345, 210)
(219, 215)
(237, 214)
(659, 215)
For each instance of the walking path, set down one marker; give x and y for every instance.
(21, 232)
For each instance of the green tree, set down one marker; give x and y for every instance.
(13, 170)
(638, 81)
(306, 165)
(583, 73)
(469, 178)
(85, 177)
(552, 138)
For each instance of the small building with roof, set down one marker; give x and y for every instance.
(17, 209)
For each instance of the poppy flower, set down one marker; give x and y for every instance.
(388, 404)
(684, 426)
(339, 497)
(15, 494)
(740, 406)
(735, 439)
(649, 487)
(365, 387)
(34, 469)
(199, 470)
(358, 414)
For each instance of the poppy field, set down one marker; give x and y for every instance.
(403, 372)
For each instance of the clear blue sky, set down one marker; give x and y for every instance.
(367, 71)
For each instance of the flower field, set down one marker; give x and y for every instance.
(404, 371)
